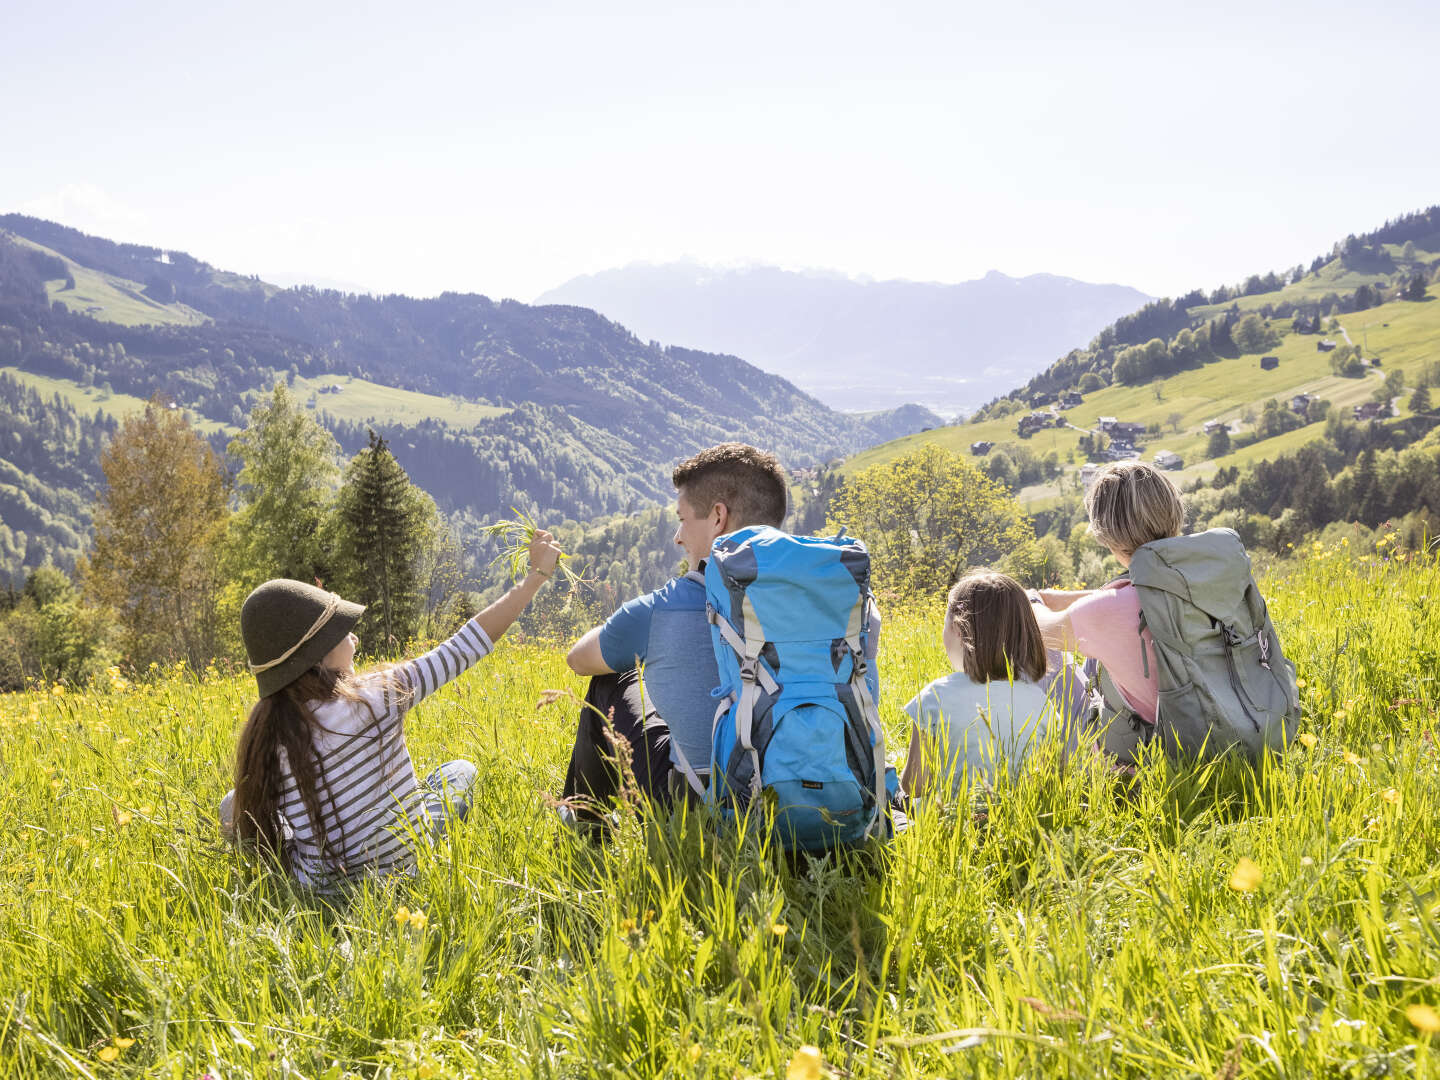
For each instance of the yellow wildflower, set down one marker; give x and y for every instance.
(694, 1053)
(1391, 796)
(1352, 758)
(1423, 1017)
(402, 915)
(418, 920)
(108, 1053)
(57, 690)
(1246, 875)
(806, 1064)
(124, 1044)
(779, 929)
(1307, 740)
(627, 926)
(1300, 683)
(1341, 714)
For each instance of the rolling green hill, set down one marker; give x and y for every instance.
(553, 410)
(1402, 334)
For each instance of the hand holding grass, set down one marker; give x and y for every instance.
(544, 553)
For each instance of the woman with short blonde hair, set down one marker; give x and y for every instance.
(1130, 505)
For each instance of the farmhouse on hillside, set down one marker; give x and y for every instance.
(1071, 398)
(1300, 403)
(981, 447)
(1168, 459)
(1269, 363)
(1212, 426)
(1035, 421)
(1372, 410)
(1120, 429)
(1324, 345)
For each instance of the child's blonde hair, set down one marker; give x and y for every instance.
(999, 637)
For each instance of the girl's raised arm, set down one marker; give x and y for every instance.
(427, 673)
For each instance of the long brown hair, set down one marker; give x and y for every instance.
(283, 720)
(999, 636)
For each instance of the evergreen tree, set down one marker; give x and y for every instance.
(1420, 400)
(159, 523)
(382, 524)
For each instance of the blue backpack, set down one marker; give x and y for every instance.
(797, 720)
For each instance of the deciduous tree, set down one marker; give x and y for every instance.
(288, 473)
(927, 517)
(159, 522)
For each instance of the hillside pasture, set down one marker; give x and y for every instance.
(91, 398)
(360, 400)
(111, 298)
(1402, 333)
(1199, 922)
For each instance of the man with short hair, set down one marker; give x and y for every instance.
(666, 716)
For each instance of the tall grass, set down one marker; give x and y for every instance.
(1084, 928)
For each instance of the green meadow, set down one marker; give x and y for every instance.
(1401, 333)
(359, 400)
(1201, 921)
(112, 298)
(88, 399)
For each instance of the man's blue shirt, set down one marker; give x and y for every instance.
(666, 632)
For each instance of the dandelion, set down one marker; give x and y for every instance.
(1423, 1017)
(123, 818)
(57, 690)
(1391, 796)
(1246, 875)
(1300, 683)
(779, 929)
(1307, 740)
(402, 915)
(418, 920)
(807, 1064)
(694, 1053)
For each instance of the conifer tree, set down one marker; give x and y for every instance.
(382, 524)
(159, 522)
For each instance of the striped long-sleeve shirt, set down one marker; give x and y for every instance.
(368, 794)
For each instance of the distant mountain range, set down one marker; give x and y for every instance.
(557, 411)
(861, 345)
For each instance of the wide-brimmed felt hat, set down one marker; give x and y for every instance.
(289, 627)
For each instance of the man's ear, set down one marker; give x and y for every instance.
(720, 517)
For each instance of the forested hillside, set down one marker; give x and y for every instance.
(583, 418)
(1287, 409)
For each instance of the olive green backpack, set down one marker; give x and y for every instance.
(1224, 682)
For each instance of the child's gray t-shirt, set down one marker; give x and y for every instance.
(982, 723)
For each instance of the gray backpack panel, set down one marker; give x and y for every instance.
(1224, 683)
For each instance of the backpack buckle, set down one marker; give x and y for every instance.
(1264, 641)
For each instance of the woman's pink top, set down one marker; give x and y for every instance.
(1105, 626)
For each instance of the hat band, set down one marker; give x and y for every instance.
(330, 605)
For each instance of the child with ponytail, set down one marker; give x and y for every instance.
(323, 778)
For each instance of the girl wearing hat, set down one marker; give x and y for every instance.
(323, 778)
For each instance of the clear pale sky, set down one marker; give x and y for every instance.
(503, 148)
